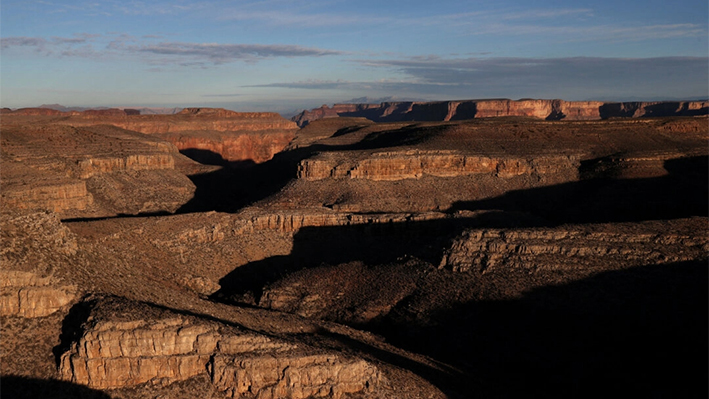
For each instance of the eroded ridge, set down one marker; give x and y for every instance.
(578, 247)
(124, 344)
(415, 164)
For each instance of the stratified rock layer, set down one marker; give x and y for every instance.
(25, 294)
(590, 247)
(118, 349)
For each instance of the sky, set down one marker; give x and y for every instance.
(283, 55)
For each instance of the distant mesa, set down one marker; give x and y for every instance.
(472, 109)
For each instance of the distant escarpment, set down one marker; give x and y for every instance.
(202, 133)
(470, 109)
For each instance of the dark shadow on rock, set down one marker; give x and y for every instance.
(661, 109)
(375, 243)
(16, 387)
(72, 327)
(208, 157)
(600, 197)
(639, 332)
(239, 184)
(449, 380)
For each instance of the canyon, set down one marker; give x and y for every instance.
(489, 248)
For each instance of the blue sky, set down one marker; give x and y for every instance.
(285, 55)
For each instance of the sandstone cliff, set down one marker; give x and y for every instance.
(120, 347)
(470, 109)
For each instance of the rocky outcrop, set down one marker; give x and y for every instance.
(591, 247)
(26, 294)
(119, 347)
(119, 354)
(470, 109)
(26, 188)
(89, 171)
(414, 164)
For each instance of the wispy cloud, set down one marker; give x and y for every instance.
(545, 14)
(221, 53)
(591, 33)
(163, 53)
(305, 20)
(222, 95)
(22, 41)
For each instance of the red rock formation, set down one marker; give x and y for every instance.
(324, 111)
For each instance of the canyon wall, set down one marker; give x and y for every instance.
(470, 109)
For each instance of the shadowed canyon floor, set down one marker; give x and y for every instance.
(491, 258)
